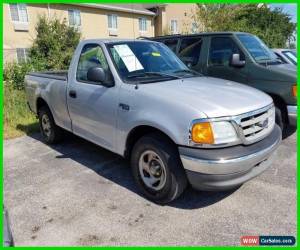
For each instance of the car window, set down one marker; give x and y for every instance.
(189, 51)
(91, 56)
(280, 57)
(221, 50)
(171, 43)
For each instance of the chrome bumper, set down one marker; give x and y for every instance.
(223, 168)
(292, 114)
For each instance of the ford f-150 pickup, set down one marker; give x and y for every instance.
(137, 99)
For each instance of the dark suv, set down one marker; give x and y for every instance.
(244, 58)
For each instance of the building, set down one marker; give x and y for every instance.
(94, 21)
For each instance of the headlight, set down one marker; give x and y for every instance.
(213, 133)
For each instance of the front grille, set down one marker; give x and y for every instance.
(257, 125)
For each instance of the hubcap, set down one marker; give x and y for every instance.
(152, 170)
(46, 126)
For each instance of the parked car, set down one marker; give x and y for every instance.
(137, 99)
(244, 58)
(288, 56)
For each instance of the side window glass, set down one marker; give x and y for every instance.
(171, 43)
(91, 56)
(189, 51)
(221, 50)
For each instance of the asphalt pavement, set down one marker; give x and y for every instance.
(77, 193)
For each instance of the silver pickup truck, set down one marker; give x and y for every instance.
(137, 99)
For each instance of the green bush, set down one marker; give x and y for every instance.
(54, 44)
(13, 74)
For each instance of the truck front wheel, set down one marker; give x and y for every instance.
(51, 133)
(157, 168)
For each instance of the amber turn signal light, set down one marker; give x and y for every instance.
(202, 133)
(294, 90)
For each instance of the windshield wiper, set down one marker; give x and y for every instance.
(143, 74)
(188, 71)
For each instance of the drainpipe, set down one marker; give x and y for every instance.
(48, 7)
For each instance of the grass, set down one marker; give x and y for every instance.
(18, 119)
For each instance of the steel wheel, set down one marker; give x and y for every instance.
(152, 170)
(46, 125)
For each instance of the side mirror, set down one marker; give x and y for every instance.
(98, 75)
(236, 61)
(189, 61)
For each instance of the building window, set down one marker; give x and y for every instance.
(174, 27)
(112, 21)
(142, 24)
(18, 13)
(74, 18)
(194, 28)
(22, 55)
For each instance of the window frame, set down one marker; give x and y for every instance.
(10, 14)
(176, 21)
(24, 54)
(222, 36)
(141, 19)
(108, 68)
(74, 11)
(112, 28)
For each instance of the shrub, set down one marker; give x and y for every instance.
(13, 74)
(54, 44)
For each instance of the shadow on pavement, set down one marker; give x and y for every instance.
(116, 169)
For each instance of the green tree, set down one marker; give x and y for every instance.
(54, 44)
(274, 27)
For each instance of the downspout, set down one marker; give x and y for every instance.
(48, 7)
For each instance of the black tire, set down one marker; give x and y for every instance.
(279, 119)
(54, 133)
(175, 181)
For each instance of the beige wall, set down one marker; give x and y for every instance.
(94, 24)
(183, 13)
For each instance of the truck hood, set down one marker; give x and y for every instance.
(212, 96)
(284, 68)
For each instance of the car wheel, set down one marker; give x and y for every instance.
(51, 133)
(157, 168)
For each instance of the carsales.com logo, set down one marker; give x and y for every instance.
(268, 240)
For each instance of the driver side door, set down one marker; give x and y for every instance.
(92, 106)
(221, 50)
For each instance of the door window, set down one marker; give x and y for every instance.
(172, 44)
(221, 50)
(189, 51)
(91, 56)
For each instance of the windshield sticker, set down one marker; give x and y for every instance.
(155, 54)
(130, 60)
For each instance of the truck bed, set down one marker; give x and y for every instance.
(58, 75)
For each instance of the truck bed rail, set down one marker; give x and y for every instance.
(58, 74)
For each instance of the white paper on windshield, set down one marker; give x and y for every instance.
(130, 60)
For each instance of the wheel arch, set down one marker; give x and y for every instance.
(138, 132)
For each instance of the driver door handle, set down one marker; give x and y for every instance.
(72, 94)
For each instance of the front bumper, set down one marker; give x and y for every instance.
(292, 114)
(226, 168)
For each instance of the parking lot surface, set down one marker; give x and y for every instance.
(76, 193)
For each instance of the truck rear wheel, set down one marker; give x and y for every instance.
(157, 168)
(51, 133)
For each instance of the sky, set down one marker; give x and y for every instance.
(288, 8)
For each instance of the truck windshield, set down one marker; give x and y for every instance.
(145, 61)
(257, 49)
